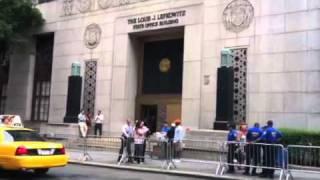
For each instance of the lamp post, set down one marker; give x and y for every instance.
(76, 69)
(74, 94)
(226, 57)
(224, 100)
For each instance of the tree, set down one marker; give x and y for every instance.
(16, 18)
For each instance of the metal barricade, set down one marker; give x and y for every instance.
(202, 155)
(304, 159)
(168, 155)
(191, 155)
(246, 156)
(151, 153)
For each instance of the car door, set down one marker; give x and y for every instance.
(6, 148)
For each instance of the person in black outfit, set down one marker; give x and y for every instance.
(232, 137)
(170, 136)
(270, 136)
(253, 150)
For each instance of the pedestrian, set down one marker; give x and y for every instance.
(126, 140)
(139, 139)
(232, 146)
(170, 133)
(98, 123)
(170, 136)
(165, 128)
(270, 136)
(147, 134)
(82, 122)
(252, 149)
(179, 134)
(242, 139)
(243, 130)
(88, 119)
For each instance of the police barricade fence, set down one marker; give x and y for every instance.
(206, 155)
(305, 159)
(90, 142)
(169, 155)
(245, 156)
(198, 155)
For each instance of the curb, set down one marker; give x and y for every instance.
(152, 170)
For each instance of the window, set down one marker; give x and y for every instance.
(240, 83)
(89, 94)
(21, 135)
(42, 77)
(4, 78)
(3, 97)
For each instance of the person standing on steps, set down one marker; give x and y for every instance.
(98, 123)
(82, 124)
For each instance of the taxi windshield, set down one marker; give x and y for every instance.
(21, 135)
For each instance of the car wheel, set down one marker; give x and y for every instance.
(41, 171)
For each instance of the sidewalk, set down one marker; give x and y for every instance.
(185, 167)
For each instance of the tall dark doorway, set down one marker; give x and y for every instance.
(162, 67)
(149, 114)
(160, 78)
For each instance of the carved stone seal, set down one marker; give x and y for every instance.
(67, 7)
(84, 6)
(92, 36)
(238, 15)
(104, 4)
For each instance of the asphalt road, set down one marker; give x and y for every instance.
(77, 172)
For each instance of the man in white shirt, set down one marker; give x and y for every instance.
(82, 123)
(98, 123)
(126, 140)
(177, 140)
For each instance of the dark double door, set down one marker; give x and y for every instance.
(149, 115)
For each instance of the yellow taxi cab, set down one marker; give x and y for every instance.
(25, 149)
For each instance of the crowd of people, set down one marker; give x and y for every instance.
(253, 146)
(245, 145)
(136, 134)
(133, 133)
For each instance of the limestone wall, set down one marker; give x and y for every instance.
(283, 42)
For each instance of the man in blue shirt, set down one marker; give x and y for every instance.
(253, 150)
(232, 137)
(165, 128)
(271, 135)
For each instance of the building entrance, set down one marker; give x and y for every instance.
(160, 81)
(149, 114)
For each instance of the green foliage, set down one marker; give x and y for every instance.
(300, 137)
(16, 17)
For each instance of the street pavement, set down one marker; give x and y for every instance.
(79, 172)
(206, 168)
(104, 166)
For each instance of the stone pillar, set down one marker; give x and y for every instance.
(192, 76)
(20, 85)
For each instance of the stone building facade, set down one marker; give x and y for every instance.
(275, 45)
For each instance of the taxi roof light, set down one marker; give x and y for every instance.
(21, 150)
